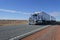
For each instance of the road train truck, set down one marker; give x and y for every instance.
(41, 18)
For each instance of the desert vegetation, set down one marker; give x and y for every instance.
(12, 22)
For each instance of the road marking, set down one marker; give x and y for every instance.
(26, 34)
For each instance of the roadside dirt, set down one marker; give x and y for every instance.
(57, 32)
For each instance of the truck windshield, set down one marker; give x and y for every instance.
(34, 16)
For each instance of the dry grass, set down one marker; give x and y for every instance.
(12, 22)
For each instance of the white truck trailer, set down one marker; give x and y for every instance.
(40, 18)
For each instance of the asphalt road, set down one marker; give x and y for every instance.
(8, 32)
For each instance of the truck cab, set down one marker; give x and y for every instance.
(35, 19)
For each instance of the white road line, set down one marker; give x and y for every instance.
(26, 34)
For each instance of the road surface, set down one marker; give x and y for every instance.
(8, 32)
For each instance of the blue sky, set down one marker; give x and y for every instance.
(21, 9)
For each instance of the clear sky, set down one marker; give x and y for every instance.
(21, 9)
